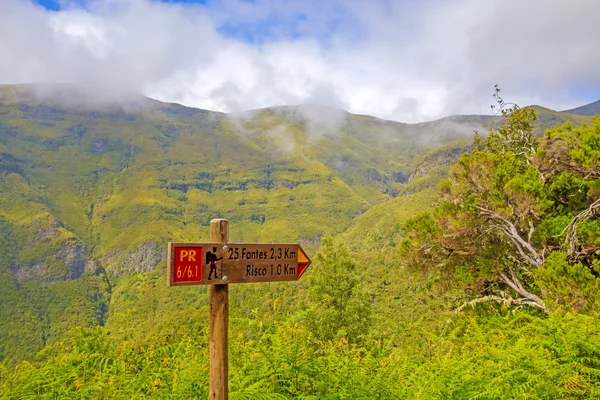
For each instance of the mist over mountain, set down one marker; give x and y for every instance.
(372, 58)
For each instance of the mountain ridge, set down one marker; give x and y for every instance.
(54, 90)
(267, 150)
(589, 109)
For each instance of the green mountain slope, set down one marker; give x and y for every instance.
(381, 225)
(90, 193)
(114, 183)
(547, 118)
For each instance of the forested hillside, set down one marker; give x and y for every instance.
(444, 267)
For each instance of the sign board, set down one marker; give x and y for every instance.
(218, 263)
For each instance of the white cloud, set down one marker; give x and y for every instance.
(408, 60)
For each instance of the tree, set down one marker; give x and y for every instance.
(510, 204)
(338, 307)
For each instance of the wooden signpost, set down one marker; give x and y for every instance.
(220, 263)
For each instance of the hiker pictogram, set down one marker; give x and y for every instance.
(211, 258)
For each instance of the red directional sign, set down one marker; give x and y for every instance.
(218, 263)
(187, 262)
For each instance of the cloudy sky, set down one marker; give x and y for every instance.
(405, 60)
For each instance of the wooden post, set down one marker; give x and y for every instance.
(219, 323)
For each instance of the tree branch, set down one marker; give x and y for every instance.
(518, 287)
(509, 229)
(571, 242)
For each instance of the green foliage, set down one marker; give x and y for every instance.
(338, 307)
(34, 315)
(512, 210)
(514, 137)
(569, 285)
(9, 247)
(504, 355)
(382, 225)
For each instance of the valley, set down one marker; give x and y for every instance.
(90, 194)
